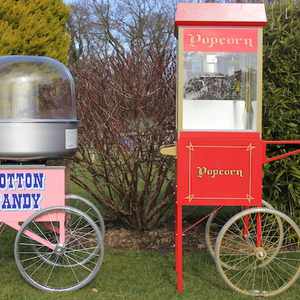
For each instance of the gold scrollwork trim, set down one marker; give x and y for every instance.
(189, 197)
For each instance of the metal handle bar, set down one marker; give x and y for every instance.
(282, 142)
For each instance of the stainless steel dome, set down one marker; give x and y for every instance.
(37, 109)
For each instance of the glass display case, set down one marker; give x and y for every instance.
(219, 79)
(37, 109)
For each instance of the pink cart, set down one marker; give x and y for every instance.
(57, 247)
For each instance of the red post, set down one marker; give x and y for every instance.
(258, 230)
(246, 222)
(178, 248)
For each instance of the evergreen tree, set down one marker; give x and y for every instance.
(34, 27)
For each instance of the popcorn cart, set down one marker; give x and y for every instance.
(57, 247)
(220, 152)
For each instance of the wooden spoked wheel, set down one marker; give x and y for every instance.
(265, 261)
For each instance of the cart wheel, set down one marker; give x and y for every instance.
(214, 224)
(258, 271)
(71, 264)
(89, 208)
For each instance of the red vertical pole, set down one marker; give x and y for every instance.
(258, 230)
(246, 221)
(178, 248)
(175, 236)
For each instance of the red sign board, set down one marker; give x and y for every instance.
(219, 168)
(220, 40)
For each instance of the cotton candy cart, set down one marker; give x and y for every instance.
(220, 151)
(59, 244)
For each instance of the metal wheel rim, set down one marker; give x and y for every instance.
(80, 284)
(84, 261)
(218, 246)
(91, 206)
(100, 222)
(211, 245)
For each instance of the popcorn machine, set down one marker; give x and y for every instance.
(220, 152)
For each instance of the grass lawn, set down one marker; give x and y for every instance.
(132, 275)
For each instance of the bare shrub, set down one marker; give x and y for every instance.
(127, 110)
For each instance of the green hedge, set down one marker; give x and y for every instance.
(282, 104)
